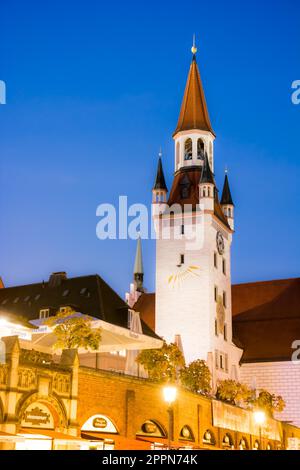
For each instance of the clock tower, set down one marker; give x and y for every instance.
(193, 241)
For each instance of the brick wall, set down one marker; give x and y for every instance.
(129, 402)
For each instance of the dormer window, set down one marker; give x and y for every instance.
(44, 313)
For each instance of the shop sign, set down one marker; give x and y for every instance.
(231, 417)
(236, 419)
(99, 423)
(37, 415)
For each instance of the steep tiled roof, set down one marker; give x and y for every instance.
(190, 177)
(160, 182)
(89, 295)
(226, 194)
(193, 112)
(266, 318)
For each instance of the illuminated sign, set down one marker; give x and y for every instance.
(99, 423)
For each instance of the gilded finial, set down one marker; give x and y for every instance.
(226, 170)
(160, 152)
(194, 48)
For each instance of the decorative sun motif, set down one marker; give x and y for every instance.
(176, 279)
(220, 315)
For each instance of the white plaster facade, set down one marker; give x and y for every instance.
(180, 139)
(185, 292)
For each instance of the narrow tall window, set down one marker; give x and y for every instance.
(200, 149)
(216, 293)
(181, 259)
(226, 362)
(182, 229)
(224, 299)
(215, 260)
(216, 328)
(225, 332)
(188, 149)
(224, 266)
(221, 362)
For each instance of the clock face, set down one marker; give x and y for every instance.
(220, 243)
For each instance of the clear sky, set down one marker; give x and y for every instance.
(93, 90)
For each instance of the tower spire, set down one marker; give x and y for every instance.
(138, 270)
(194, 112)
(207, 175)
(226, 198)
(160, 182)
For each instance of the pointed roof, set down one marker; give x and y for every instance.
(193, 112)
(138, 263)
(226, 194)
(160, 182)
(206, 175)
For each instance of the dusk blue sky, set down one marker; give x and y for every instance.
(94, 89)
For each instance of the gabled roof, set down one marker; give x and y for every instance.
(226, 198)
(268, 329)
(89, 295)
(193, 112)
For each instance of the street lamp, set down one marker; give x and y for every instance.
(170, 394)
(259, 418)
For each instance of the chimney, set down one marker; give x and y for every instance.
(56, 279)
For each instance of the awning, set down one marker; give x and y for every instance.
(121, 442)
(34, 433)
(113, 338)
(163, 441)
(5, 436)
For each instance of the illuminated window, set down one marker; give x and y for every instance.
(243, 444)
(186, 433)
(44, 313)
(227, 441)
(209, 438)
